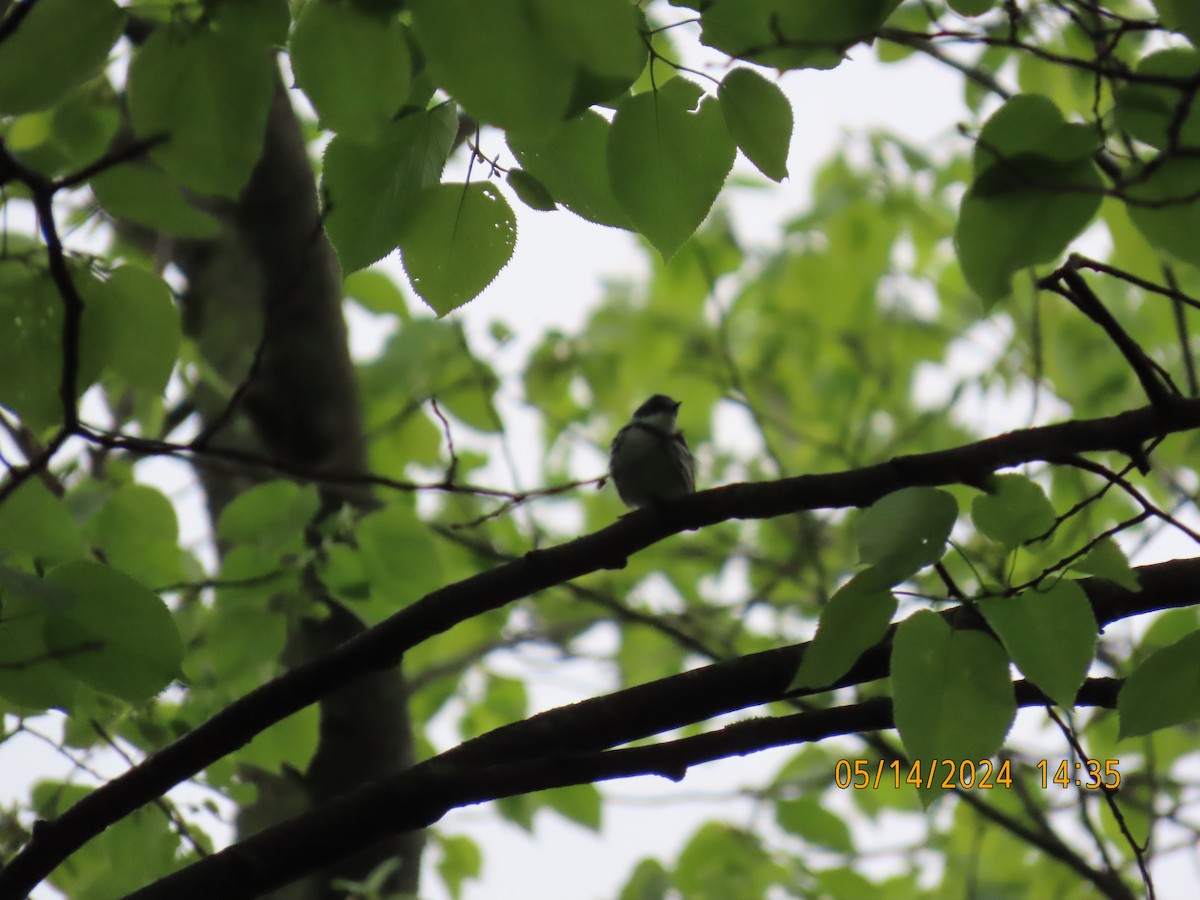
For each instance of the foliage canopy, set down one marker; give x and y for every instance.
(184, 224)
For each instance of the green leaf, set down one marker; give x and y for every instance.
(264, 22)
(59, 45)
(1168, 627)
(17, 582)
(528, 64)
(570, 160)
(208, 92)
(505, 701)
(354, 66)
(846, 883)
(1108, 560)
(31, 313)
(430, 358)
(457, 240)
(399, 556)
(759, 117)
(241, 645)
(1182, 16)
(784, 34)
(668, 163)
(1163, 691)
(291, 742)
(1050, 635)
(118, 638)
(908, 17)
(29, 673)
(531, 191)
(721, 862)
(579, 802)
(906, 531)
(380, 7)
(271, 515)
(603, 42)
(460, 859)
(855, 618)
(951, 691)
(1154, 196)
(252, 574)
(1014, 510)
(138, 532)
(806, 818)
(149, 196)
(133, 319)
(649, 881)
(1150, 111)
(519, 809)
(36, 523)
(501, 65)
(1035, 189)
(1030, 124)
(646, 654)
(376, 292)
(971, 7)
(75, 133)
(373, 188)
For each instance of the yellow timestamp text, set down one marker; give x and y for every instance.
(860, 774)
(965, 774)
(1091, 774)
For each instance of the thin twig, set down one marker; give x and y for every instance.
(181, 827)
(1110, 797)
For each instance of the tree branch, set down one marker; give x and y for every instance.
(1067, 282)
(764, 676)
(422, 795)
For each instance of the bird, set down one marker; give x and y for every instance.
(649, 461)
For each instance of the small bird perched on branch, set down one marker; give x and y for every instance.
(650, 461)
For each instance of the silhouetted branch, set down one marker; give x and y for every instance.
(420, 796)
(384, 645)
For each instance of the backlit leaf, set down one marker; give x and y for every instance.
(855, 618)
(668, 158)
(458, 239)
(138, 532)
(497, 61)
(951, 690)
(1107, 560)
(269, 515)
(787, 35)
(373, 188)
(1050, 635)
(1163, 691)
(354, 66)
(906, 531)
(1014, 510)
(133, 317)
(1035, 189)
(149, 196)
(1151, 111)
(570, 160)
(36, 523)
(531, 191)
(1155, 208)
(208, 92)
(58, 45)
(118, 637)
(759, 117)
